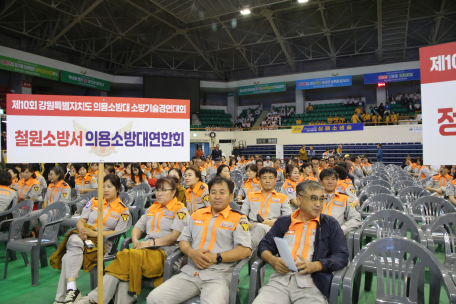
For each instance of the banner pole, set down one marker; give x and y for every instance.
(100, 232)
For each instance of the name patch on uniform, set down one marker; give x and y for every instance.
(227, 225)
(181, 215)
(290, 190)
(290, 232)
(198, 200)
(197, 222)
(244, 225)
(115, 214)
(87, 182)
(340, 204)
(255, 199)
(275, 200)
(339, 189)
(168, 213)
(150, 214)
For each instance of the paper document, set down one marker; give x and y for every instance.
(285, 253)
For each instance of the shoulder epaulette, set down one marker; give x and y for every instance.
(237, 211)
(65, 184)
(123, 204)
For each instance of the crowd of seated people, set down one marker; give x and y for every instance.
(272, 121)
(405, 98)
(316, 190)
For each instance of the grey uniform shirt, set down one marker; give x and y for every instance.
(59, 192)
(449, 189)
(271, 207)
(223, 232)
(6, 196)
(339, 207)
(159, 221)
(115, 215)
(439, 182)
(249, 186)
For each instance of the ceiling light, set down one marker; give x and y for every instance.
(245, 12)
(302, 1)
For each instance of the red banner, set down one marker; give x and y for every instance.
(438, 63)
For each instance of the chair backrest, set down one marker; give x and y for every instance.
(445, 224)
(237, 178)
(90, 195)
(55, 212)
(22, 209)
(74, 194)
(388, 223)
(380, 202)
(371, 191)
(430, 207)
(278, 186)
(379, 182)
(423, 182)
(234, 206)
(125, 198)
(410, 194)
(401, 184)
(143, 188)
(382, 175)
(395, 260)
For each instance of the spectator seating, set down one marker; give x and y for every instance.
(214, 118)
(393, 153)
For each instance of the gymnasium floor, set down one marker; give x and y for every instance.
(17, 287)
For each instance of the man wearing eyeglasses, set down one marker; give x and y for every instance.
(317, 244)
(338, 205)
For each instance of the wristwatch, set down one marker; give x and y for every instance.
(219, 258)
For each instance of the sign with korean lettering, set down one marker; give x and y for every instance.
(263, 88)
(24, 67)
(328, 128)
(438, 91)
(85, 81)
(328, 82)
(60, 129)
(392, 76)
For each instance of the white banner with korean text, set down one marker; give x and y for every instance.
(59, 129)
(438, 92)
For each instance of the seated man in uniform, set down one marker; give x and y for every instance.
(338, 205)
(438, 182)
(344, 186)
(449, 191)
(267, 203)
(318, 247)
(211, 262)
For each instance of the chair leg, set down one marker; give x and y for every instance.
(26, 261)
(6, 263)
(368, 281)
(35, 263)
(13, 256)
(43, 256)
(356, 286)
(93, 278)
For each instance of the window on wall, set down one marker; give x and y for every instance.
(266, 141)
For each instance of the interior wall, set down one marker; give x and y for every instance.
(376, 134)
(214, 98)
(268, 98)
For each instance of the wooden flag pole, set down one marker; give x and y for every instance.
(100, 231)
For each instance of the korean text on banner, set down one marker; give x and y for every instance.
(85, 81)
(29, 68)
(328, 82)
(328, 128)
(50, 129)
(392, 76)
(263, 88)
(438, 91)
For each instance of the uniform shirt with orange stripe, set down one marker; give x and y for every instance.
(88, 182)
(346, 188)
(115, 214)
(41, 180)
(271, 207)
(301, 178)
(300, 238)
(59, 192)
(367, 167)
(439, 182)
(424, 172)
(6, 196)
(289, 189)
(280, 176)
(249, 185)
(198, 197)
(134, 180)
(220, 233)
(159, 221)
(315, 175)
(29, 189)
(339, 207)
(450, 188)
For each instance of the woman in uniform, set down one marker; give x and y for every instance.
(289, 186)
(115, 218)
(40, 178)
(163, 222)
(232, 164)
(57, 191)
(28, 187)
(136, 177)
(7, 194)
(85, 183)
(14, 178)
(93, 169)
(197, 194)
(147, 169)
(251, 184)
(156, 172)
(177, 176)
(224, 171)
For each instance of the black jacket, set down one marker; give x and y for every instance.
(216, 154)
(330, 248)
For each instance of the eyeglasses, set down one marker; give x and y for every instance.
(162, 190)
(314, 199)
